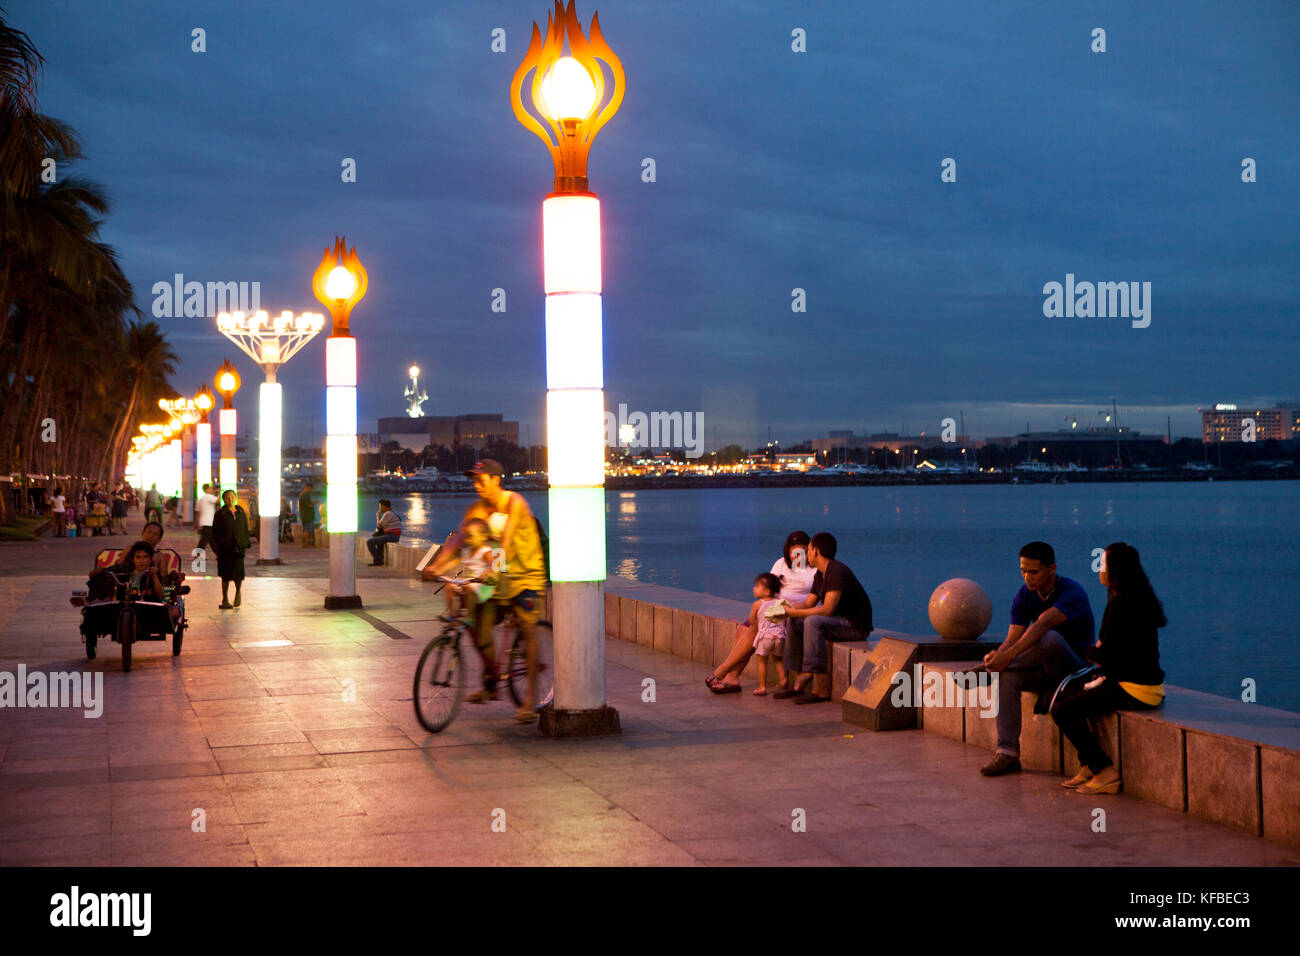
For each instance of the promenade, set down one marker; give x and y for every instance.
(291, 729)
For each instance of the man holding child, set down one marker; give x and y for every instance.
(837, 609)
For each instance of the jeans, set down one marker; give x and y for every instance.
(376, 544)
(1073, 708)
(817, 630)
(793, 644)
(1040, 669)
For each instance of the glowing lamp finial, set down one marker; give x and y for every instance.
(567, 91)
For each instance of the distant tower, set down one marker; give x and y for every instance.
(414, 397)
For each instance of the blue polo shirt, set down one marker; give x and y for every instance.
(1070, 599)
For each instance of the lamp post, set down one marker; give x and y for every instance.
(227, 385)
(569, 96)
(185, 414)
(270, 342)
(339, 283)
(203, 402)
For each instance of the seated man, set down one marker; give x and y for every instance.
(837, 609)
(388, 527)
(1051, 630)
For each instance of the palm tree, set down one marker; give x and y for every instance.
(68, 349)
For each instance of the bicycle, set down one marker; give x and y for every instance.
(439, 685)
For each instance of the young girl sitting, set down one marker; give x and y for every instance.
(769, 642)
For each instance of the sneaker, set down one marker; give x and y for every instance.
(1000, 764)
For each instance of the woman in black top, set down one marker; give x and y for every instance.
(1128, 656)
(230, 541)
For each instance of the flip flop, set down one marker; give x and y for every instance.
(725, 688)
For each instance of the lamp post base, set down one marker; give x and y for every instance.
(601, 722)
(341, 602)
(262, 561)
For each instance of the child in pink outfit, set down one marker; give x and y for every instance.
(769, 642)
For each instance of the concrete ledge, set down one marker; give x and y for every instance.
(1279, 772)
(946, 721)
(1151, 751)
(1223, 781)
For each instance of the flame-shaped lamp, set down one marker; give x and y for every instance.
(339, 283)
(573, 101)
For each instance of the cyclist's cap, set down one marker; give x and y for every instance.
(486, 467)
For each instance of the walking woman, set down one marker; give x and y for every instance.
(230, 541)
(1128, 656)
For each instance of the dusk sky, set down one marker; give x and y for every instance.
(775, 170)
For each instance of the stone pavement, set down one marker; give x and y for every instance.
(252, 725)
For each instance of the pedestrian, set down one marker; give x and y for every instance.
(205, 509)
(230, 540)
(307, 515)
(59, 508)
(118, 510)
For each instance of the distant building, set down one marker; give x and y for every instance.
(1227, 422)
(473, 431)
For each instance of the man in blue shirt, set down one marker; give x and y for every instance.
(1051, 628)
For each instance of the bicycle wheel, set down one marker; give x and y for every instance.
(439, 681)
(516, 675)
(126, 637)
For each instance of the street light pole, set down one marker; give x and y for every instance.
(568, 93)
(227, 385)
(203, 438)
(339, 283)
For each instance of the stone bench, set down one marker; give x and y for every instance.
(1219, 759)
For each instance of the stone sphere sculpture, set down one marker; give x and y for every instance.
(960, 610)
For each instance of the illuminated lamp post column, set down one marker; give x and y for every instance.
(339, 283)
(227, 471)
(203, 438)
(569, 95)
(185, 414)
(270, 342)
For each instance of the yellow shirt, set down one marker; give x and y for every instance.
(526, 564)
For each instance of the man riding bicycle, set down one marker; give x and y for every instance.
(522, 580)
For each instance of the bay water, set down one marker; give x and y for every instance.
(1224, 557)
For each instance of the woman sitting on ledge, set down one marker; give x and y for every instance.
(796, 577)
(1129, 659)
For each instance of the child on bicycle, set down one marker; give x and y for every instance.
(464, 599)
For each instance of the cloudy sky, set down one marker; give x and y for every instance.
(775, 170)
